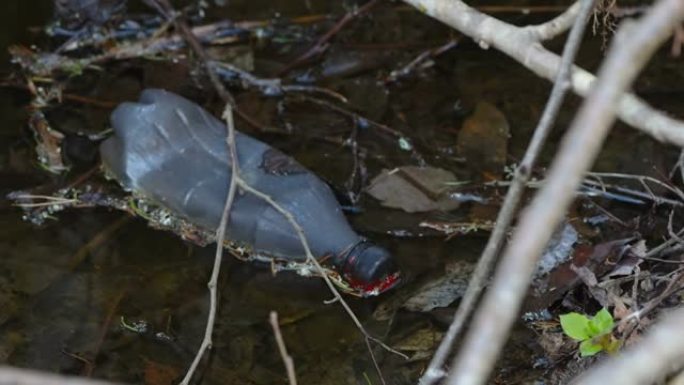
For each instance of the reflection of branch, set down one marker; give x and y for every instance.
(322, 43)
(523, 45)
(480, 276)
(492, 322)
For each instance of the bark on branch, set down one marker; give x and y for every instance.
(523, 44)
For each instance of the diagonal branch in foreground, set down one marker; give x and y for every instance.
(632, 48)
(523, 44)
(505, 217)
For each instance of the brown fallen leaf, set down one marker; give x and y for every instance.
(414, 189)
(160, 374)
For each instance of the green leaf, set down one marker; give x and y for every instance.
(589, 348)
(602, 322)
(575, 326)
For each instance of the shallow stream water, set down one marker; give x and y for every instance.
(72, 290)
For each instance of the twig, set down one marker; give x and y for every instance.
(579, 148)
(675, 284)
(167, 10)
(505, 217)
(595, 188)
(405, 70)
(220, 239)
(272, 86)
(652, 358)
(90, 364)
(642, 179)
(356, 118)
(522, 45)
(673, 235)
(237, 181)
(287, 359)
(322, 43)
(314, 262)
(375, 362)
(599, 186)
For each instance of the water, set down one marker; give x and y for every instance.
(69, 288)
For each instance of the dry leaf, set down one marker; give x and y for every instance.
(414, 189)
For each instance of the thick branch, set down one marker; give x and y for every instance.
(557, 25)
(513, 197)
(522, 45)
(579, 148)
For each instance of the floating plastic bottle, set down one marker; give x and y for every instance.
(173, 152)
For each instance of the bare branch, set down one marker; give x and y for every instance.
(220, 239)
(646, 362)
(491, 324)
(521, 44)
(506, 214)
(557, 25)
(287, 359)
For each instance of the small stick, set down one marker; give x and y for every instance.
(220, 238)
(498, 311)
(287, 359)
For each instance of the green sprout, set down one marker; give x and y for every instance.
(595, 334)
